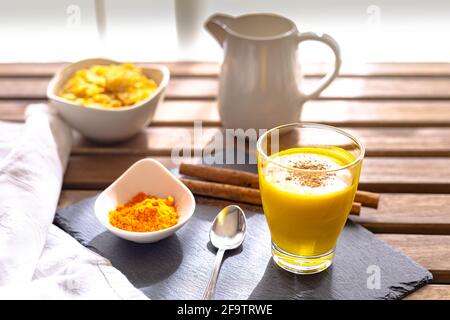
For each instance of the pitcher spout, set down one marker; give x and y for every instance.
(217, 26)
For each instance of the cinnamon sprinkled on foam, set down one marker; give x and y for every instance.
(309, 179)
(308, 182)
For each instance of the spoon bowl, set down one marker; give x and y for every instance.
(229, 228)
(227, 232)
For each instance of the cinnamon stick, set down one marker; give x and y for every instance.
(222, 175)
(223, 191)
(356, 209)
(235, 193)
(247, 179)
(367, 199)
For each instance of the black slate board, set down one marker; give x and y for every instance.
(179, 267)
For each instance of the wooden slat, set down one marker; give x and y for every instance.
(333, 112)
(33, 88)
(356, 113)
(385, 88)
(150, 142)
(408, 213)
(384, 69)
(211, 69)
(177, 69)
(206, 88)
(406, 175)
(97, 172)
(378, 114)
(13, 110)
(378, 142)
(431, 292)
(399, 175)
(430, 251)
(341, 88)
(404, 141)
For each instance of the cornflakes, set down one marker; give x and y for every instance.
(108, 86)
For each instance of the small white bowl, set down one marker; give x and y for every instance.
(105, 124)
(151, 177)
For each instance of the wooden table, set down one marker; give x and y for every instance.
(401, 112)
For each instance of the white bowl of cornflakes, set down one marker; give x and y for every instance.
(107, 101)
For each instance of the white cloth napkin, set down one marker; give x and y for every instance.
(37, 259)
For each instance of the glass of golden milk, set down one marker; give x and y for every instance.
(308, 176)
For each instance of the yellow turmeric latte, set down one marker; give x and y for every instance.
(144, 213)
(108, 86)
(306, 211)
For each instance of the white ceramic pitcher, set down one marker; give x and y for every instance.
(259, 84)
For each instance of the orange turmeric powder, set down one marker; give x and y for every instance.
(144, 213)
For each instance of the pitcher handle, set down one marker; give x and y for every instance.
(330, 42)
(216, 25)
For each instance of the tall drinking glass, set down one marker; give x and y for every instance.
(308, 176)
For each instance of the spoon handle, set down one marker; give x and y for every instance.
(210, 291)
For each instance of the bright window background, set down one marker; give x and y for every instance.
(147, 30)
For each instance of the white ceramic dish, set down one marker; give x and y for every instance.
(150, 177)
(101, 124)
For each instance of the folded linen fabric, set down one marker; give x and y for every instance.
(37, 259)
